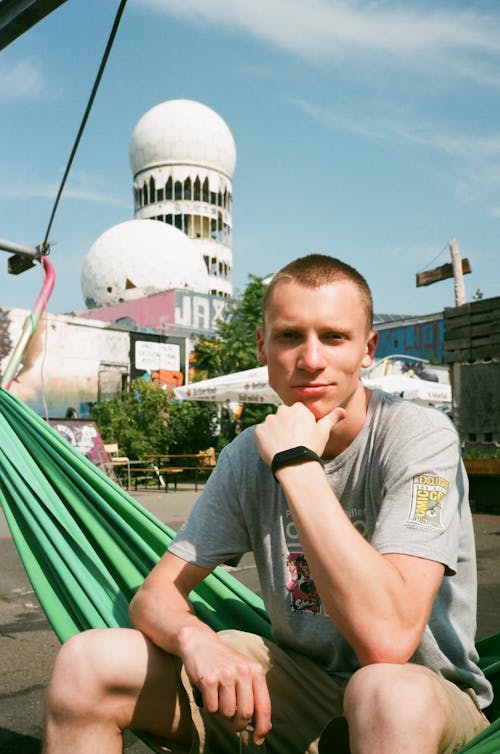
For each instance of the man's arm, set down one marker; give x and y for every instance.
(380, 603)
(230, 683)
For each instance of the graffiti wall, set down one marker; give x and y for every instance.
(72, 362)
(174, 310)
(84, 436)
(423, 339)
(69, 363)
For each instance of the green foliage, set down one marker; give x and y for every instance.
(193, 426)
(135, 419)
(238, 334)
(234, 347)
(255, 413)
(208, 358)
(232, 350)
(145, 419)
(482, 453)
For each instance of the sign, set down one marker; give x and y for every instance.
(199, 311)
(151, 356)
(440, 273)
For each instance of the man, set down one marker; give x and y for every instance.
(354, 504)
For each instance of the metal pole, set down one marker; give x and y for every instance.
(34, 252)
(458, 275)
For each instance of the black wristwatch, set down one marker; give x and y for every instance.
(291, 456)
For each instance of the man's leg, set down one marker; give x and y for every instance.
(108, 680)
(407, 708)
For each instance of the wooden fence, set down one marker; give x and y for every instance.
(472, 349)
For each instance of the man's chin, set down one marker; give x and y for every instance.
(319, 407)
(320, 410)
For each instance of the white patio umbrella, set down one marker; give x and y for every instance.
(252, 386)
(248, 386)
(413, 388)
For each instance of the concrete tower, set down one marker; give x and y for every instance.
(182, 156)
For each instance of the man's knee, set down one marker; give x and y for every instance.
(388, 692)
(79, 676)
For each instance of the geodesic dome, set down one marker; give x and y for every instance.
(138, 258)
(182, 132)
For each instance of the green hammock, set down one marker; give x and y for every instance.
(87, 545)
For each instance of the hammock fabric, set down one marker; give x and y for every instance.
(87, 545)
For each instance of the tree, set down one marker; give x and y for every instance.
(193, 426)
(146, 419)
(238, 333)
(234, 347)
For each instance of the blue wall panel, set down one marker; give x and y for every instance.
(422, 339)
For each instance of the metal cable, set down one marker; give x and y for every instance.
(434, 259)
(83, 123)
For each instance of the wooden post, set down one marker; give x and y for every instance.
(458, 276)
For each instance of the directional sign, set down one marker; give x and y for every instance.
(440, 273)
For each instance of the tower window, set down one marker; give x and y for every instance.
(152, 190)
(178, 190)
(187, 188)
(205, 190)
(168, 188)
(178, 222)
(197, 190)
(159, 195)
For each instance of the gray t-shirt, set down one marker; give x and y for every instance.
(402, 484)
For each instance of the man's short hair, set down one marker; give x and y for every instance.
(314, 270)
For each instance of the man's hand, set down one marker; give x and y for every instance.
(231, 684)
(295, 425)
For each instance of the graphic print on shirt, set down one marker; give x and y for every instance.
(303, 595)
(428, 491)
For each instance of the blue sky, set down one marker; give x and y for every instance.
(367, 130)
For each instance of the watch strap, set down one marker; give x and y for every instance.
(292, 456)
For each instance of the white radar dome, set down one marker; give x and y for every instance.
(182, 132)
(138, 258)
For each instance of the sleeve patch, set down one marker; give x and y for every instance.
(428, 491)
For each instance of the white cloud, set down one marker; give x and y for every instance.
(468, 147)
(31, 189)
(474, 165)
(21, 80)
(461, 43)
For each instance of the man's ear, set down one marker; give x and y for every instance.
(371, 347)
(261, 354)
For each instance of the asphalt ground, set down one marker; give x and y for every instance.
(28, 645)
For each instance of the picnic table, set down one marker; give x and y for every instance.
(168, 466)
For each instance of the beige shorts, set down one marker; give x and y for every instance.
(304, 702)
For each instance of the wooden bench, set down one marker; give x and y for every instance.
(192, 463)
